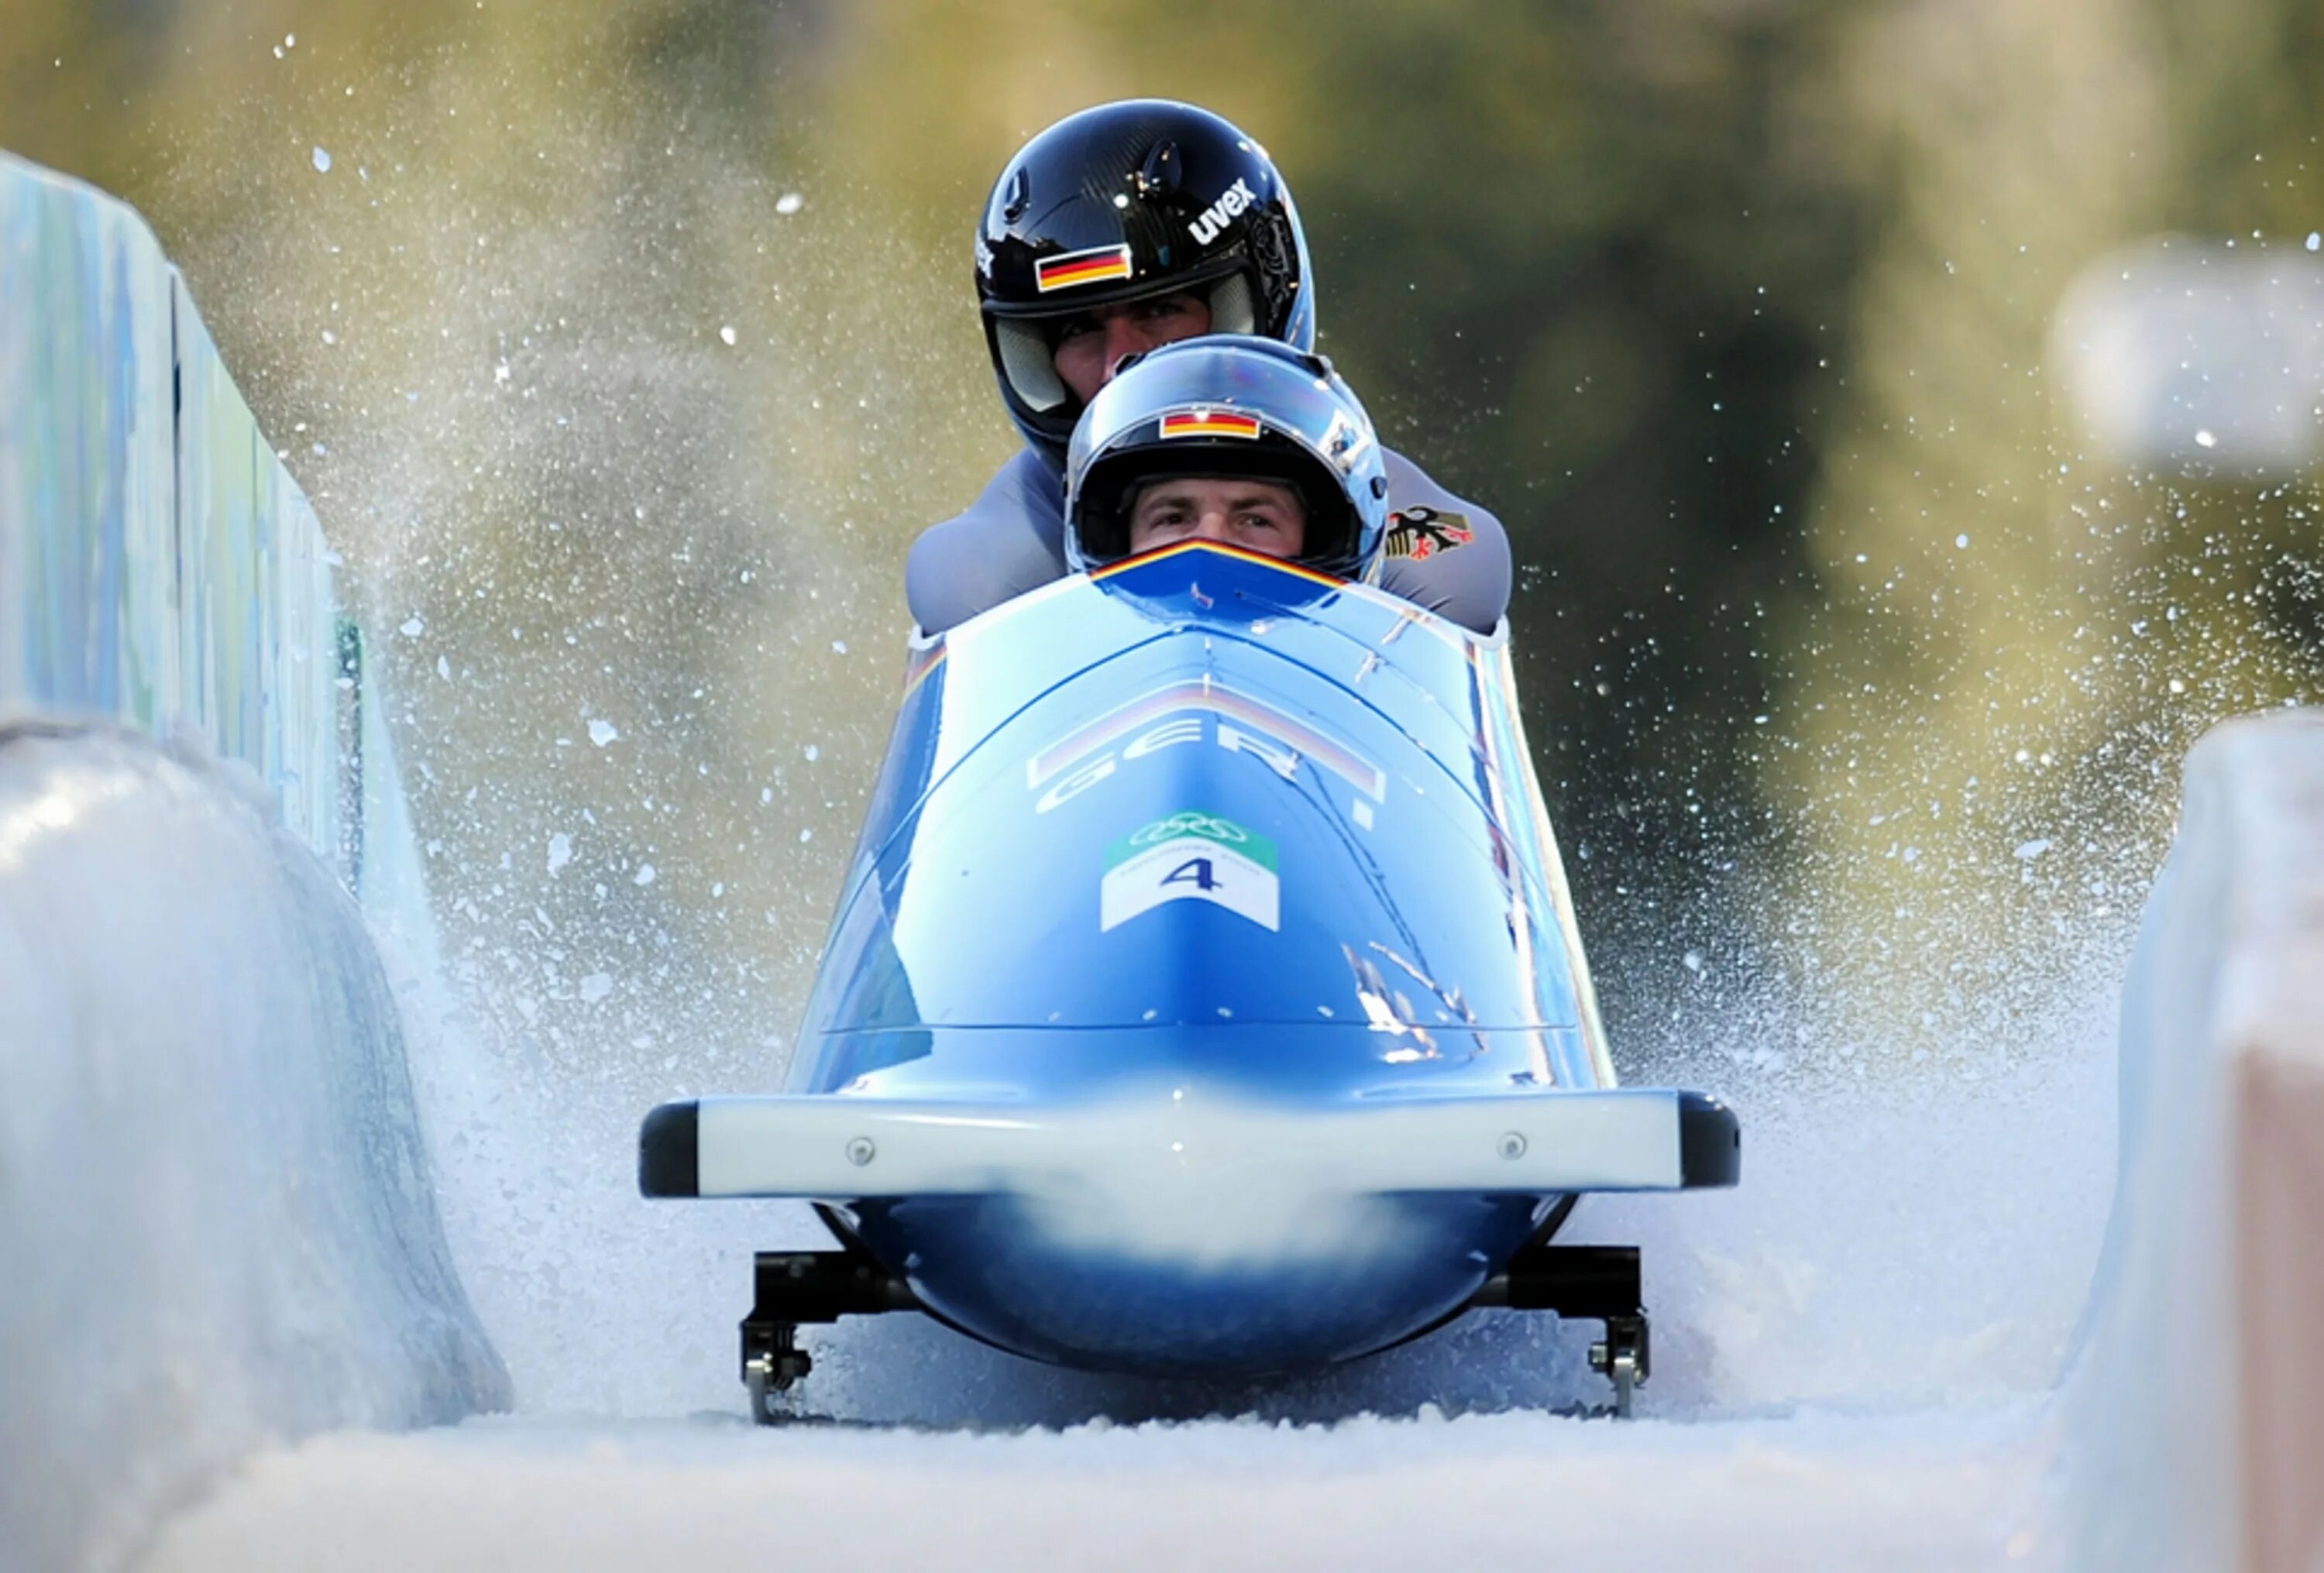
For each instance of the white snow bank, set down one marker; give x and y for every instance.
(2195, 1415)
(216, 1225)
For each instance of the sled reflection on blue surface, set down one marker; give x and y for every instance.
(1205, 998)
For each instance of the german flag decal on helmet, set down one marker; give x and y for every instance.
(1094, 266)
(1209, 423)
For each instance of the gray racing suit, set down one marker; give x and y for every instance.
(1446, 555)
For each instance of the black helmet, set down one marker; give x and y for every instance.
(1141, 197)
(1234, 407)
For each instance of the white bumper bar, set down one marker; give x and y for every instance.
(841, 1148)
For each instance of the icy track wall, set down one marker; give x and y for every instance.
(2194, 1418)
(216, 1226)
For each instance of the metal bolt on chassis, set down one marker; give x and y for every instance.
(794, 1287)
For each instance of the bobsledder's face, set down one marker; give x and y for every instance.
(1257, 515)
(1091, 344)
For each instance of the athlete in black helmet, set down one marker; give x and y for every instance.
(1115, 231)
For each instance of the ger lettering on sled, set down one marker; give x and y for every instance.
(1205, 998)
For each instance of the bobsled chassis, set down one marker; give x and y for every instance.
(1205, 998)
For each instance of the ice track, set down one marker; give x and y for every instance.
(1854, 1351)
(266, 1190)
(1925, 1492)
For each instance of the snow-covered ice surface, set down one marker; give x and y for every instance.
(1854, 1354)
(1815, 1491)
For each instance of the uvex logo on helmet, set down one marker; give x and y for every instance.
(1207, 226)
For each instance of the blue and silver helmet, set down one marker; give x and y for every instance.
(1235, 408)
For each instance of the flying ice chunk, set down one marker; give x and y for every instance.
(645, 875)
(789, 203)
(412, 627)
(813, 753)
(726, 334)
(602, 732)
(561, 850)
(595, 987)
(2315, 240)
(2029, 851)
(322, 159)
(2205, 439)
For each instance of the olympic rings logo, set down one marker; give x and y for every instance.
(1190, 824)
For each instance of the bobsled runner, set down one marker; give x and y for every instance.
(1204, 998)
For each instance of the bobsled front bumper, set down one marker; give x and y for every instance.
(843, 1148)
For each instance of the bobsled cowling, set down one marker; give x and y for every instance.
(1205, 994)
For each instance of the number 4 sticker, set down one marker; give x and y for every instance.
(1190, 856)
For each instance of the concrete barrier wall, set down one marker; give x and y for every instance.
(158, 565)
(2194, 1416)
(217, 1227)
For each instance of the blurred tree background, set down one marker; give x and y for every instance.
(624, 349)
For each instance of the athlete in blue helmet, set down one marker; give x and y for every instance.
(1231, 438)
(1116, 231)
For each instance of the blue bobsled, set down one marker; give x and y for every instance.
(1204, 998)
